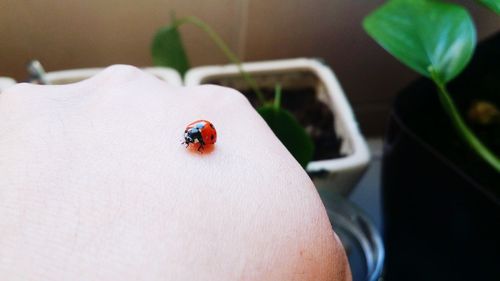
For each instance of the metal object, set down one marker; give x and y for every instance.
(360, 238)
(36, 73)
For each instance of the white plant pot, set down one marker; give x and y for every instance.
(6, 82)
(340, 174)
(168, 75)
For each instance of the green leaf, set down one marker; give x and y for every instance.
(167, 49)
(425, 35)
(493, 5)
(289, 132)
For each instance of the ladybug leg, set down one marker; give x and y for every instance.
(202, 146)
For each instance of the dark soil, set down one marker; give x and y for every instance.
(313, 114)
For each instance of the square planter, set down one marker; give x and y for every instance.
(168, 75)
(339, 174)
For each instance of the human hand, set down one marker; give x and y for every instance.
(95, 185)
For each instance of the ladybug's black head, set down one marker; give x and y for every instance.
(192, 135)
(188, 139)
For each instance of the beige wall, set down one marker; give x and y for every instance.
(75, 34)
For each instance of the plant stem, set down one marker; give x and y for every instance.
(277, 97)
(225, 49)
(461, 127)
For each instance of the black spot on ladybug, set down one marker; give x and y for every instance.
(211, 125)
(212, 137)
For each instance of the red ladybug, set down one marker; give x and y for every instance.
(200, 131)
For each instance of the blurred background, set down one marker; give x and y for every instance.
(83, 34)
(79, 34)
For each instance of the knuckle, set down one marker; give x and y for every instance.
(122, 69)
(15, 89)
(219, 96)
(17, 92)
(228, 95)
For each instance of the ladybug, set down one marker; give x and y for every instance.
(200, 131)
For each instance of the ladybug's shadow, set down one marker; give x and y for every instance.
(194, 148)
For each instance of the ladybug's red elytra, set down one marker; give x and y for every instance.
(200, 131)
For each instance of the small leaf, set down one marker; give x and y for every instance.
(289, 132)
(425, 35)
(493, 5)
(167, 49)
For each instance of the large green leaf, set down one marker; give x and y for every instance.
(494, 5)
(167, 49)
(425, 35)
(289, 132)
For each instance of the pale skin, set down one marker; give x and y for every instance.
(96, 185)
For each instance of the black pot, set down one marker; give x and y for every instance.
(441, 201)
